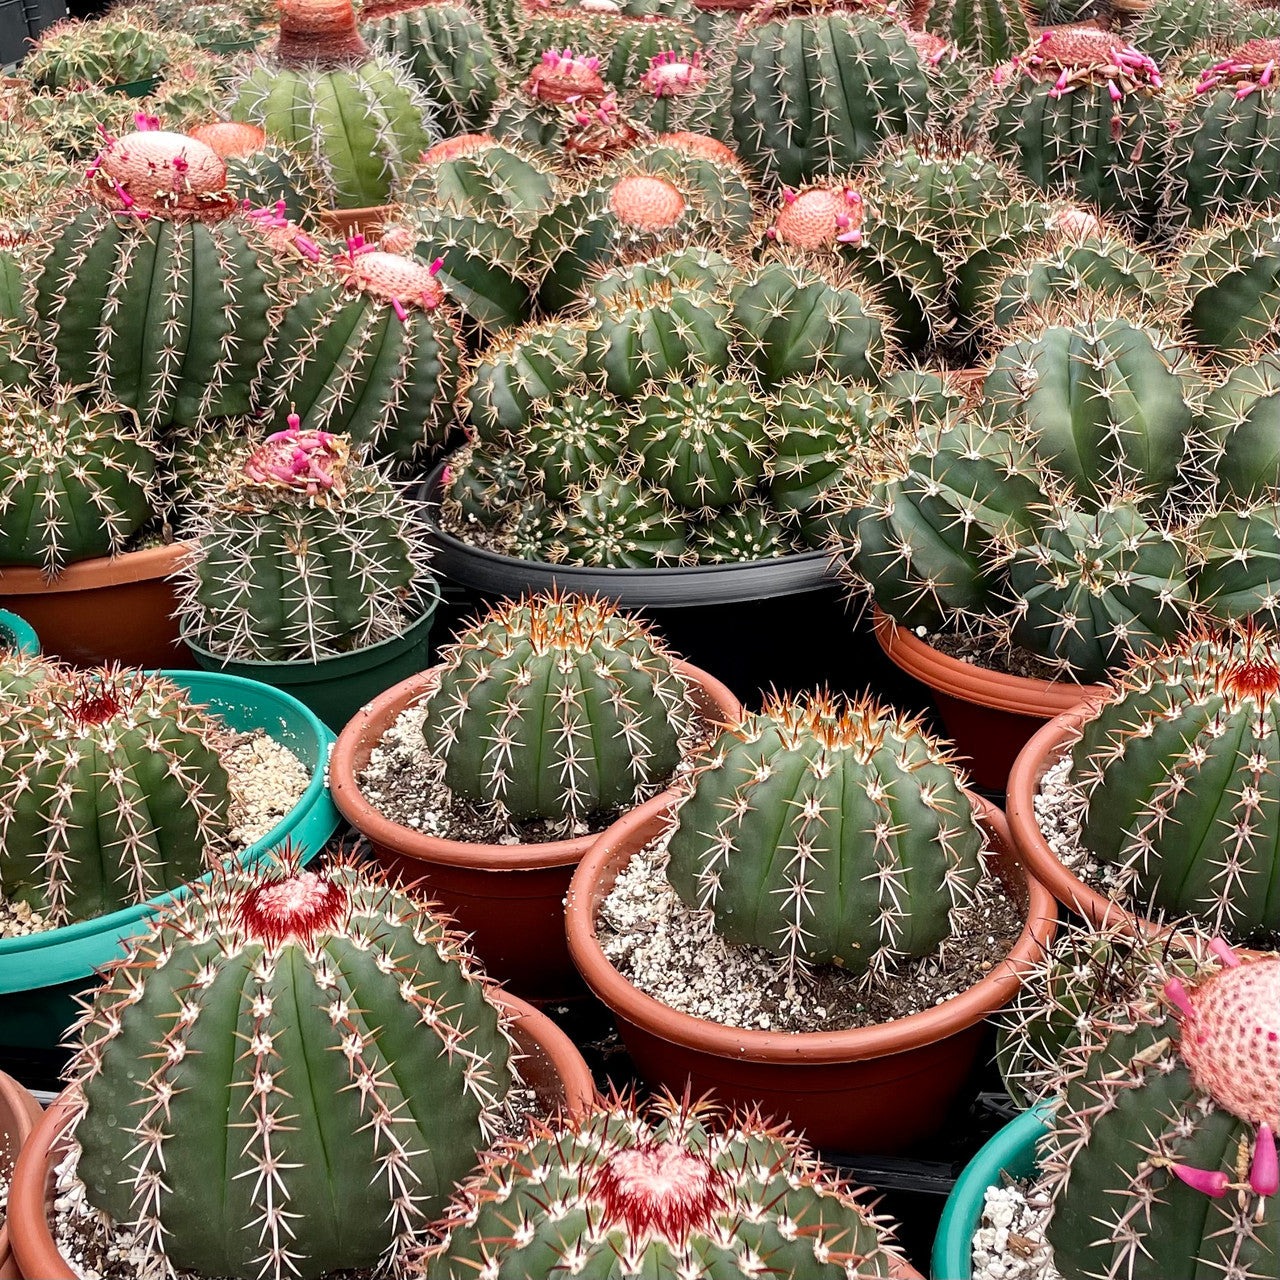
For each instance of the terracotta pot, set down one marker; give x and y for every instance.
(112, 609)
(872, 1089)
(989, 715)
(552, 1066)
(348, 222)
(509, 898)
(1041, 753)
(19, 1114)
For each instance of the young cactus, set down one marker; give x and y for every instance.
(558, 708)
(111, 792)
(1177, 786)
(827, 832)
(301, 553)
(75, 482)
(123, 48)
(670, 1189)
(271, 1016)
(1163, 1150)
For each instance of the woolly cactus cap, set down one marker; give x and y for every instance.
(230, 138)
(672, 75)
(819, 217)
(153, 172)
(564, 77)
(306, 462)
(319, 33)
(1251, 68)
(1072, 56)
(700, 146)
(671, 1189)
(395, 279)
(459, 147)
(646, 203)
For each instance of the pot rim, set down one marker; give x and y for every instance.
(1018, 695)
(372, 721)
(1043, 750)
(19, 1115)
(101, 571)
(802, 1048)
(34, 1246)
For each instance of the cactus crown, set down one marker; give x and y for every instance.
(152, 173)
(1073, 56)
(673, 1188)
(319, 33)
(562, 77)
(1248, 70)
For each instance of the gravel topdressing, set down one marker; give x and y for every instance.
(1010, 1243)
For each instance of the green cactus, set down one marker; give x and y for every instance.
(558, 708)
(480, 483)
(75, 482)
(1165, 29)
(302, 553)
(194, 460)
(358, 118)
(444, 45)
(1163, 1142)
(1242, 424)
(1105, 401)
(679, 93)
(738, 535)
(276, 177)
(696, 267)
(617, 523)
(816, 86)
(673, 1189)
(20, 674)
(269, 1017)
(372, 349)
(1238, 552)
(754, 840)
(167, 311)
(923, 396)
(111, 792)
(73, 121)
(1083, 115)
(992, 30)
(1230, 276)
(121, 49)
(573, 440)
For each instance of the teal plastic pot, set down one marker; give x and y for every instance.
(1011, 1151)
(336, 688)
(18, 635)
(70, 955)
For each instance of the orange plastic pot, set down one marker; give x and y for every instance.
(509, 898)
(988, 715)
(551, 1066)
(872, 1089)
(112, 609)
(19, 1114)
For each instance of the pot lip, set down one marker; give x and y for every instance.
(377, 716)
(19, 1115)
(33, 1242)
(1019, 695)
(21, 634)
(802, 1048)
(297, 671)
(1043, 750)
(102, 571)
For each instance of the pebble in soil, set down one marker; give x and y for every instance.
(1010, 1242)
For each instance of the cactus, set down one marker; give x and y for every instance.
(992, 30)
(73, 122)
(1163, 1142)
(1224, 155)
(573, 441)
(816, 86)
(444, 45)
(260, 171)
(373, 350)
(111, 792)
(357, 117)
(737, 535)
(1083, 115)
(1242, 424)
(673, 1189)
(480, 483)
(19, 674)
(923, 396)
(75, 482)
(558, 708)
(167, 310)
(1173, 767)
(1230, 275)
(678, 92)
(302, 553)
(1167, 28)
(617, 523)
(121, 49)
(1238, 553)
(269, 1016)
(754, 843)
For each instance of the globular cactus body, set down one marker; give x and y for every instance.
(615, 523)
(1242, 423)
(993, 31)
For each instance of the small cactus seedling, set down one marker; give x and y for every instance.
(1177, 769)
(559, 708)
(325, 1034)
(673, 1189)
(1163, 1151)
(110, 792)
(827, 832)
(573, 441)
(301, 553)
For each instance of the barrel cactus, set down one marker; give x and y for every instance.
(1163, 1149)
(121, 49)
(574, 440)
(993, 31)
(615, 522)
(263, 1017)
(1237, 552)
(742, 533)
(152, 285)
(557, 708)
(358, 117)
(1242, 425)
(111, 792)
(261, 171)
(302, 552)
(670, 1189)
(76, 481)
(1167, 29)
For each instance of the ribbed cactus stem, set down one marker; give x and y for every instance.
(319, 34)
(1248, 70)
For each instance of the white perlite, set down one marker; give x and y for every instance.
(1059, 808)
(1010, 1243)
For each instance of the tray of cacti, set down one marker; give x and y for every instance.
(119, 788)
(1154, 1147)
(818, 921)
(486, 778)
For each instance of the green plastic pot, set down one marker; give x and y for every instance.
(336, 688)
(1013, 1151)
(18, 635)
(136, 88)
(71, 954)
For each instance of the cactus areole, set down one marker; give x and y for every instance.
(319, 33)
